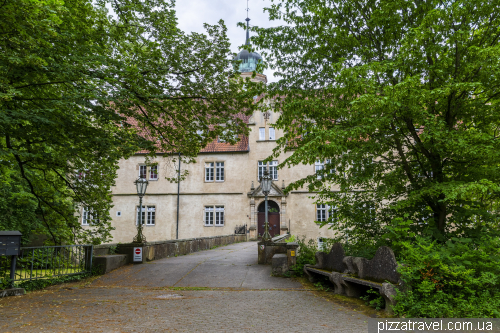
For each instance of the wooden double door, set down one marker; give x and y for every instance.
(274, 223)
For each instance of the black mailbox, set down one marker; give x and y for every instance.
(10, 243)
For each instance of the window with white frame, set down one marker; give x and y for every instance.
(89, 216)
(219, 215)
(147, 215)
(321, 243)
(214, 215)
(153, 172)
(151, 215)
(143, 171)
(325, 212)
(272, 134)
(209, 171)
(219, 171)
(262, 168)
(332, 214)
(141, 215)
(321, 213)
(262, 133)
(273, 169)
(86, 216)
(328, 165)
(319, 166)
(209, 215)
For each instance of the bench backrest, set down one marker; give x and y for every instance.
(381, 268)
(333, 260)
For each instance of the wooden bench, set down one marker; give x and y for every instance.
(351, 276)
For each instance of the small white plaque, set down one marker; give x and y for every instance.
(137, 254)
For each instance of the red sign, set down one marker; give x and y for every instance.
(137, 254)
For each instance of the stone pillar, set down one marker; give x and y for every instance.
(283, 219)
(291, 253)
(253, 233)
(253, 222)
(256, 221)
(262, 253)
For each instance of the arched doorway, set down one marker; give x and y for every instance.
(273, 218)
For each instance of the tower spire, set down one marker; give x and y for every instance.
(247, 42)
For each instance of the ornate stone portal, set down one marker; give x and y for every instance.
(257, 197)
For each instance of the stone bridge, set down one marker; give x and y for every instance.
(219, 290)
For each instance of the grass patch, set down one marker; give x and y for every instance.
(46, 282)
(185, 288)
(190, 288)
(46, 279)
(46, 273)
(350, 303)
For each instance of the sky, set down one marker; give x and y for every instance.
(192, 14)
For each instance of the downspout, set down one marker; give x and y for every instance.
(178, 191)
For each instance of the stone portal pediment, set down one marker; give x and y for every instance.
(275, 192)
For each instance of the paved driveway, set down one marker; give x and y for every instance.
(220, 290)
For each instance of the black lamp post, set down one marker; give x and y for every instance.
(265, 182)
(141, 184)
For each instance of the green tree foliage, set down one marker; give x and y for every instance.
(402, 98)
(80, 89)
(457, 279)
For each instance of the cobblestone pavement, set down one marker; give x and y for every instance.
(221, 290)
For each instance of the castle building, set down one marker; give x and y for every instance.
(222, 190)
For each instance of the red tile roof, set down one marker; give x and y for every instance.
(213, 147)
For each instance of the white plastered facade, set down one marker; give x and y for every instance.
(236, 194)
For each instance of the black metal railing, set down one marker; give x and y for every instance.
(240, 230)
(52, 261)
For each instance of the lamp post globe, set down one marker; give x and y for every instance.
(141, 185)
(266, 182)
